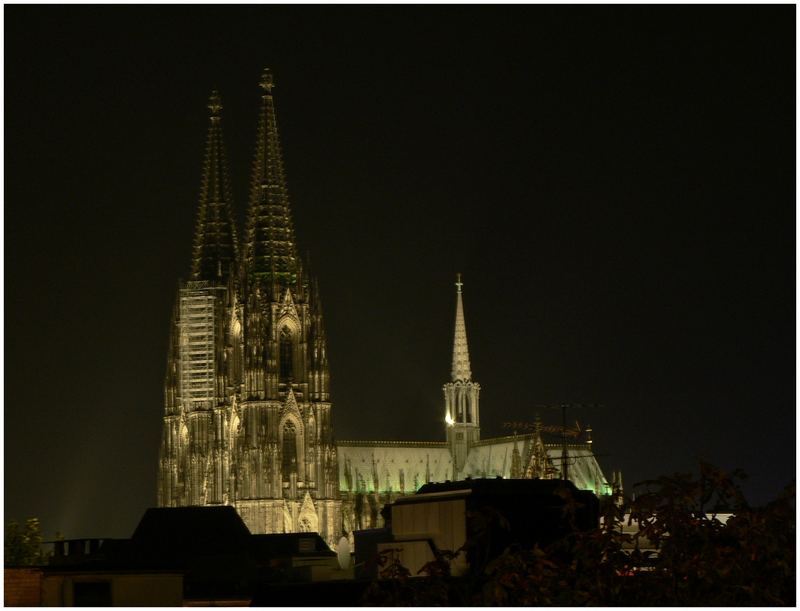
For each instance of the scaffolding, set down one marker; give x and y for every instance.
(197, 346)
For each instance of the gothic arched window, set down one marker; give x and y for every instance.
(289, 449)
(286, 354)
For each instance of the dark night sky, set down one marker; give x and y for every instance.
(616, 185)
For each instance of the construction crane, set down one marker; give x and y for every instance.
(556, 429)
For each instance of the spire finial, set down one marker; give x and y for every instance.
(215, 103)
(459, 284)
(267, 82)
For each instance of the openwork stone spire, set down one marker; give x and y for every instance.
(461, 370)
(270, 249)
(215, 245)
(538, 463)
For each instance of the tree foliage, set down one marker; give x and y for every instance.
(679, 554)
(23, 544)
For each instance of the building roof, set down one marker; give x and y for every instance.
(399, 468)
(290, 544)
(209, 544)
(191, 530)
(402, 467)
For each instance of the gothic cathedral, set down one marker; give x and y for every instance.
(247, 419)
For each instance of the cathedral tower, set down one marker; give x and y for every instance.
(204, 359)
(461, 394)
(286, 469)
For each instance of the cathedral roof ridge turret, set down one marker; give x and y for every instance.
(215, 245)
(461, 367)
(270, 247)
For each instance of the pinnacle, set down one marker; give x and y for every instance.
(215, 103)
(267, 81)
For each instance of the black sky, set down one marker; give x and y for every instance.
(617, 186)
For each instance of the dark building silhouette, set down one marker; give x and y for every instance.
(185, 555)
(477, 518)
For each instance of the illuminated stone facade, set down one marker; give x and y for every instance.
(247, 409)
(247, 418)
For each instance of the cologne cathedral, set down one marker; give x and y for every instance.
(247, 411)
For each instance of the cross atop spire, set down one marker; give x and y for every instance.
(267, 81)
(461, 369)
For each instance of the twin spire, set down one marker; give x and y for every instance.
(269, 244)
(270, 248)
(215, 249)
(461, 370)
